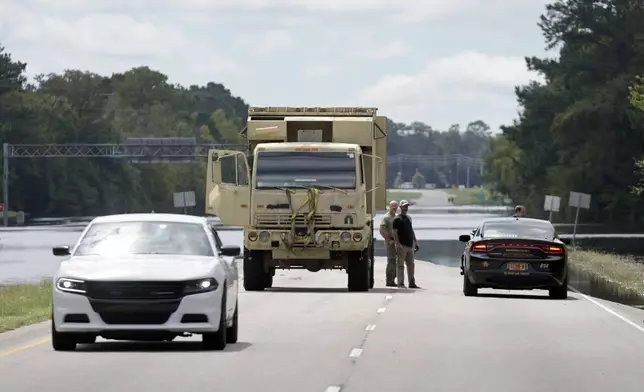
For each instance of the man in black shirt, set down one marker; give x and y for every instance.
(406, 245)
(519, 211)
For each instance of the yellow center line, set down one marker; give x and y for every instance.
(25, 347)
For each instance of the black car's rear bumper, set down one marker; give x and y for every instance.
(513, 281)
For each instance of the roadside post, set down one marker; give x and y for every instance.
(578, 200)
(551, 204)
(184, 200)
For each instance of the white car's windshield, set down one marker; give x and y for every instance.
(132, 238)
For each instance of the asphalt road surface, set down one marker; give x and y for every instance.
(310, 335)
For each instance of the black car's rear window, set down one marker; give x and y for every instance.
(518, 229)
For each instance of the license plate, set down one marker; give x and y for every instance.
(518, 266)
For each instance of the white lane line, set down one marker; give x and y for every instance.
(355, 353)
(389, 297)
(609, 310)
(381, 310)
(333, 388)
(370, 327)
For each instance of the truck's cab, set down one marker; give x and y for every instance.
(308, 203)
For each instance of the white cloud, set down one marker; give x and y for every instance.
(482, 85)
(364, 44)
(399, 11)
(267, 42)
(320, 70)
(110, 34)
(105, 43)
(337, 44)
(388, 50)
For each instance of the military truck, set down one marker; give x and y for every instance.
(305, 192)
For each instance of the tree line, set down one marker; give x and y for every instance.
(84, 107)
(581, 129)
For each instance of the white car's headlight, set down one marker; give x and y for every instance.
(69, 285)
(200, 286)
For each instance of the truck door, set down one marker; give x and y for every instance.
(228, 187)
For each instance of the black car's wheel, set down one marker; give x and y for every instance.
(62, 341)
(559, 292)
(217, 340)
(233, 330)
(469, 289)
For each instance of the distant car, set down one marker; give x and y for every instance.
(146, 277)
(515, 254)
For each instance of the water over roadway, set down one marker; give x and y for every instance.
(25, 254)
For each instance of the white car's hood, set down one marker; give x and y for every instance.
(144, 267)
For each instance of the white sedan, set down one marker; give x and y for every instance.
(146, 277)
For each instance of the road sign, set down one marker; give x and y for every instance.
(579, 200)
(184, 200)
(552, 203)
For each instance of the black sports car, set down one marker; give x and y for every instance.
(515, 254)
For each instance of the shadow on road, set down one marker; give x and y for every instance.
(326, 290)
(179, 346)
(523, 296)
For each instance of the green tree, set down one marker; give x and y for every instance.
(418, 180)
(578, 131)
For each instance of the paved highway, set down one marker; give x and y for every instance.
(309, 337)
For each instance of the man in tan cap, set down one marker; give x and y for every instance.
(387, 233)
(406, 245)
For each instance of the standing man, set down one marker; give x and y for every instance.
(387, 233)
(406, 245)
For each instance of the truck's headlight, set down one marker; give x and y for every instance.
(264, 236)
(69, 285)
(357, 237)
(200, 286)
(252, 236)
(345, 237)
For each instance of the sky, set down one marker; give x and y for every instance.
(441, 62)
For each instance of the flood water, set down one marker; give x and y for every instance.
(25, 252)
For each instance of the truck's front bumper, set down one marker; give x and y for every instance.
(329, 240)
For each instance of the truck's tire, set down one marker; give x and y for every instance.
(254, 275)
(372, 258)
(358, 269)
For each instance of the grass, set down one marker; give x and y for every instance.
(470, 196)
(624, 274)
(24, 304)
(399, 195)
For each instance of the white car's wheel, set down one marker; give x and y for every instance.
(217, 340)
(62, 341)
(232, 333)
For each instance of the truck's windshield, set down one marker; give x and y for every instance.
(285, 169)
